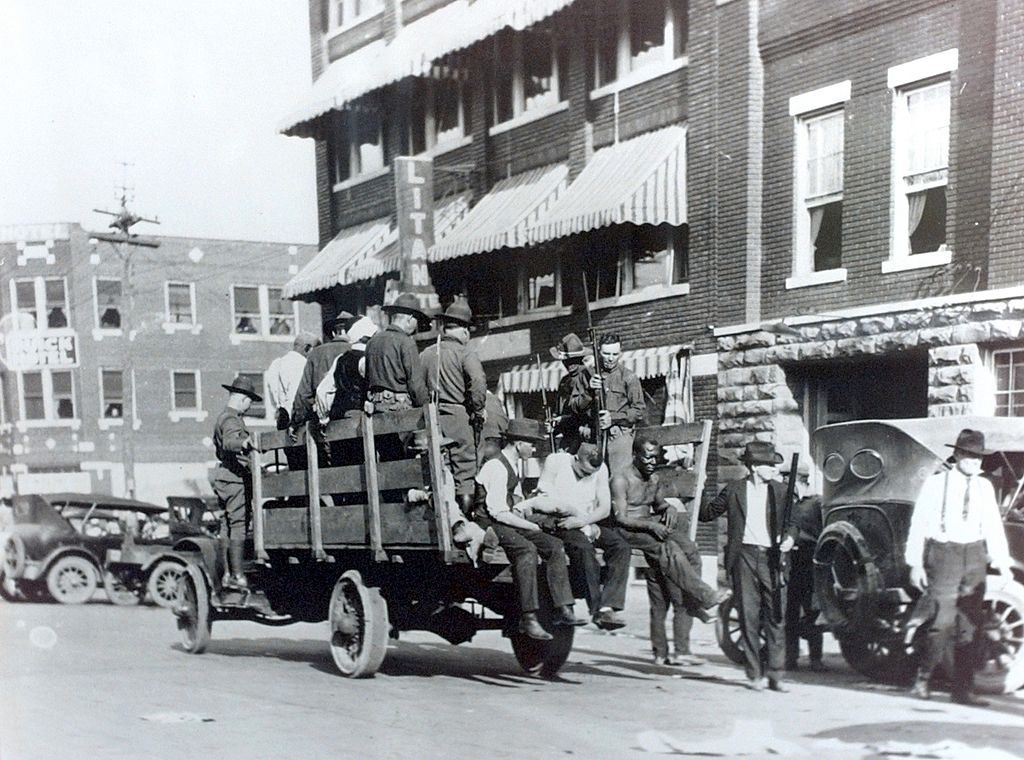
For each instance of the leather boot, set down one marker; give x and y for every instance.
(530, 625)
(566, 616)
(236, 553)
(465, 501)
(921, 690)
(963, 678)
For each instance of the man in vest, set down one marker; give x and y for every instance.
(955, 531)
(497, 496)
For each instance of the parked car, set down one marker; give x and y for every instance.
(63, 545)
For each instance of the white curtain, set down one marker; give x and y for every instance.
(915, 204)
(817, 214)
(679, 404)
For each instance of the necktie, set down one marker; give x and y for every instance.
(967, 498)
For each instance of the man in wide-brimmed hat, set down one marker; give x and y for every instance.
(573, 392)
(755, 507)
(231, 479)
(955, 531)
(455, 378)
(318, 363)
(394, 372)
(497, 496)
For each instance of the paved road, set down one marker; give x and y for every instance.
(99, 681)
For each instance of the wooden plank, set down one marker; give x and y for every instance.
(668, 435)
(279, 439)
(344, 429)
(313, 486)
(400, 474)
(398, 422)
(372, 489)
(278, 485)
(401, 524)
(257, 506)
(702, 474)
(444, 535)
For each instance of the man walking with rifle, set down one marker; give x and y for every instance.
(760, 535)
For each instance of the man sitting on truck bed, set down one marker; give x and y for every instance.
(498, 490)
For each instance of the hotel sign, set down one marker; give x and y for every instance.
(34, 349)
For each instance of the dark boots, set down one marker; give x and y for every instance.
(236, 555)
(530, 625)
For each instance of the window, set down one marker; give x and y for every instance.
(44, 299)
(47, 395)
(358, 143)
(258, 409)
(262, 311)
(181, 308)
(346, 13)
(541, 283)
(819, 150)
(438, 115)
(1009, 372)
(638, 35)
(111, 394)
(108, 303)
(631, 259)
(185, 391)
(529, 75)
(920, 160)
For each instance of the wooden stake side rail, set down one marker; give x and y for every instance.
(372, 491)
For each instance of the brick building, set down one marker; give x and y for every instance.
(203, 310)
(813, 207)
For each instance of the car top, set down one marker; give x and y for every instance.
(103, 501)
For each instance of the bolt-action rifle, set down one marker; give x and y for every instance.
(780, 559)
(599, 398)
(549, 418)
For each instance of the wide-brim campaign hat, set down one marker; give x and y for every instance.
(569, 347)
(458, 312)
(406, 303)
(760, 452)
(341, 318)
(525, 430)
(244, 386)
(970, 442)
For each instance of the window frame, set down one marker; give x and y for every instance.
(903, 79)
(268, 411)
(1011, 391)
(344, 128)
(107, 422)
(520, 113)
(41, 305)
(99, 331)
(431, 140)
(263, 331)
(198, 413)
(337, 27)
(169, 324)
(49, 418)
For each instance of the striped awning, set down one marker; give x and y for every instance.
(504, 216)
(328, 267)
(645, 363)
(639, 181)
(388, 259)
(413, 52)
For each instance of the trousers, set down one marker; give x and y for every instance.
(800, 611)
(235, 495)
(586, 571)
(753, 588)
(454, 422)
(523, 548)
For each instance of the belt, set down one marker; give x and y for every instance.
(386, 394)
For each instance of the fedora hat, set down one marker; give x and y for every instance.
(525, 430)
(243, 385)
(760, 452)
(406, 303)
(458, 311)
(569, 347)
(971, 442)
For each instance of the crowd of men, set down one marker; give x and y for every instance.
(600, 489)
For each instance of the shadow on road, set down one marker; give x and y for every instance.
(977, 735)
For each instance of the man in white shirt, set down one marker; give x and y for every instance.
(575, 490)
(284, 374)
(955, 531)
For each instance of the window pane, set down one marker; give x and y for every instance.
(538, 71)
(247, 310)
(680, 26)
(648, 262)
(56, 304)
(928, 128)
(32, 383)
(185, 391)
(340, 150)
(369, 145)
(825, 155)
(25, 295)
(179, 302)
(446, 109)
(540, 283)
(108, 301)
(113, 394)
(601, 268)
(503, 75)
(257, 409)
(282, 313)
(929, 232)
(62, 395)
(606, 44)
(828, 243)
(646, 33)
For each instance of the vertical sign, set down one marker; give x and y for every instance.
(414, 201)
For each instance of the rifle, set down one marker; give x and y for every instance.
(599, 400)
(781, 559)
(548, 417)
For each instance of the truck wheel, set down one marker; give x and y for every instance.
(9, 590)
(163, 583)
(119, 592)
(71, 580)
(1003, 668)
(14, 557)
(192, 608)
(728, 631)
(359, 626)
(888, 661)
(543, 658)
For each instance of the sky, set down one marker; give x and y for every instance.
(188, 93)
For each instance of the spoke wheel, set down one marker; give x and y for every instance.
(880, 659)
(163, 583)
(119, 592)
(359, 626)
(1002, 669)
(14, 557)
(71, 580)
(729, 632)
(192, 608)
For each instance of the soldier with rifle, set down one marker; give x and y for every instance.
(573, 392)
(760, 535)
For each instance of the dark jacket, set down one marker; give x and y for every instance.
(393, 363)
(732, 502)
(318, 364)
(229, 437)
(463, 381)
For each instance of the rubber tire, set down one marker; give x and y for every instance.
(14, 556)
(118, 593)
(727, 631)
(995, 677)
(9, 590)
(76, 571)
(358, 654)
(162, 585)
(879, 660)
(543, 658)
(192, 608)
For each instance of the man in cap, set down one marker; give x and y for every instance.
(455, 377)
(318, 363)
(231, 479)
(498, 494)
(755, 508)
(574, 491)
(573, 392)
(284, 376)
(648, 522)
(955, 531)
(394, 372)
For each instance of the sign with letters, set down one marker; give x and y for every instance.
(414, 201)
(39, 349)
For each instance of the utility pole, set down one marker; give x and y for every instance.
(125, 243)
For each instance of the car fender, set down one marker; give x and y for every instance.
(69, 551)
(200, 550)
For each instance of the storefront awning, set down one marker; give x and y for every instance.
(639, 181)
(645, 363)
(446, 216)
(328, 267)
(413, 52)
(504, 216)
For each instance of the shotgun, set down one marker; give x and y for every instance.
(599, 399)
(548, 417)
(780, 559)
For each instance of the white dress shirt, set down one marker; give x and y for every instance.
(283, 376)
(562, 493)
(942, 514)
(755, 529)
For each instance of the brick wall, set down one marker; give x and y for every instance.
(539, 143)
(372, 199)
(645, 107)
